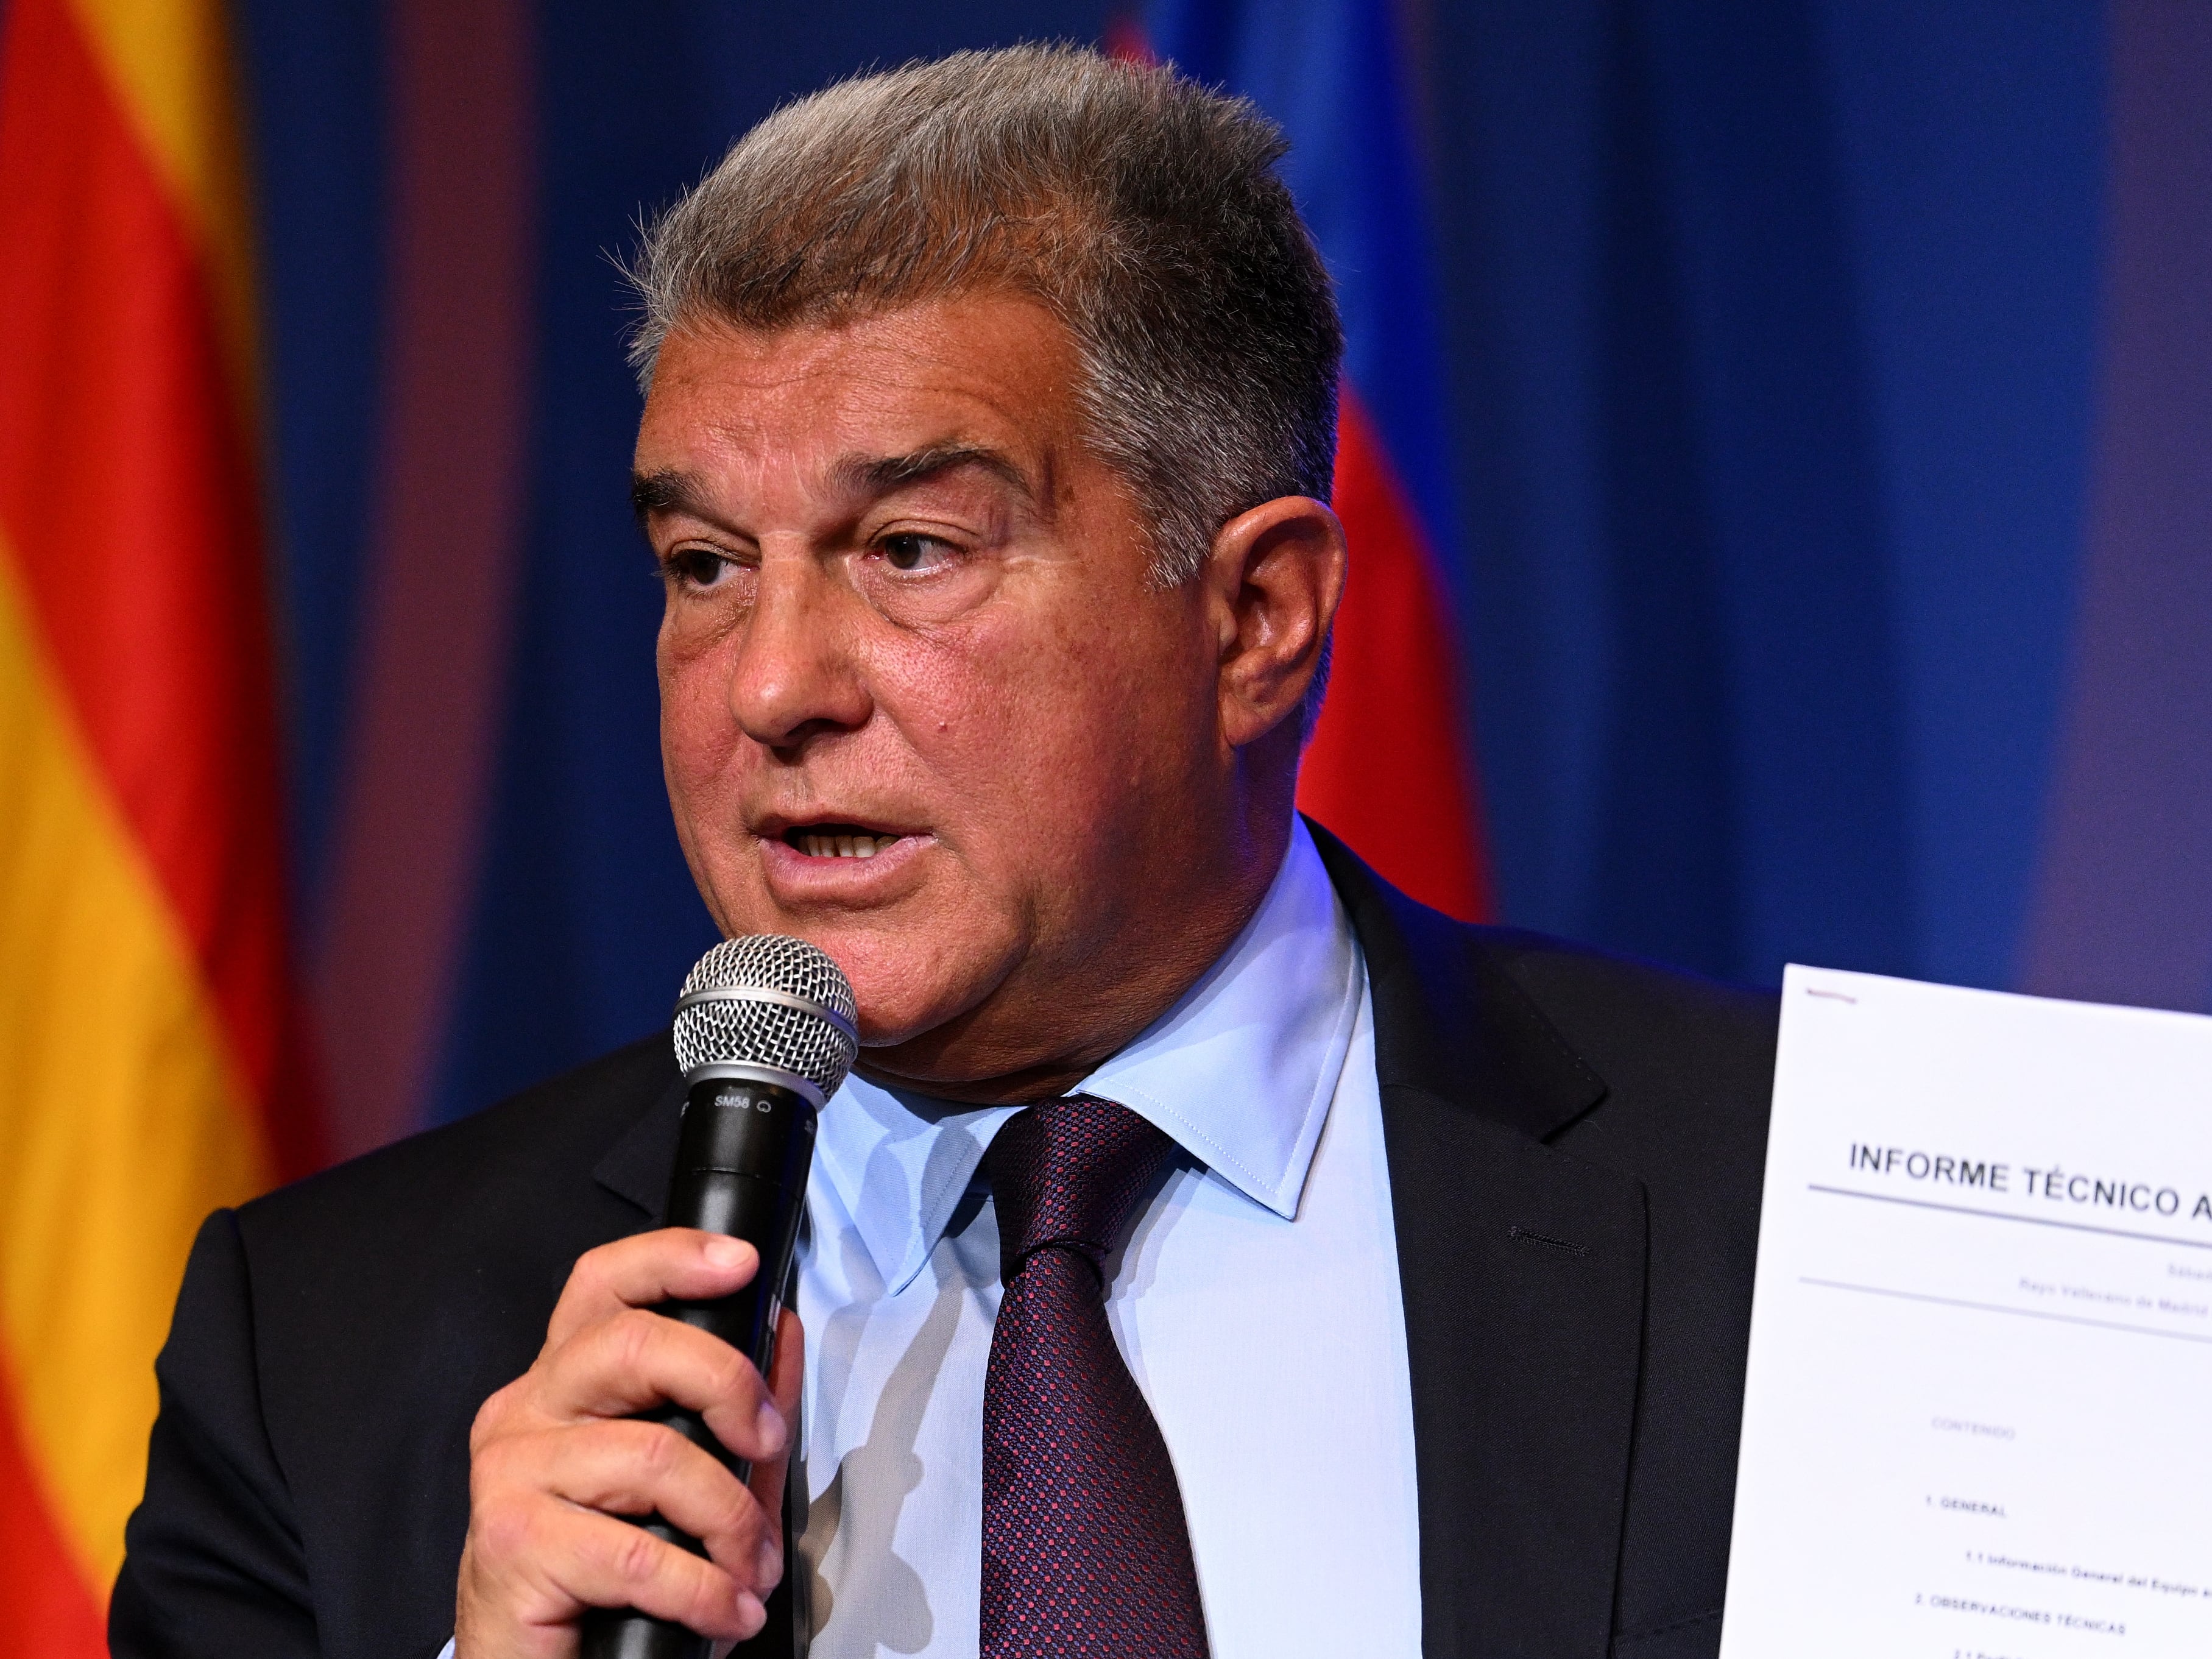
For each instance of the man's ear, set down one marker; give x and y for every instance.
(1276, 573)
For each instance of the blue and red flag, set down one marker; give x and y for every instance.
(1390, 768)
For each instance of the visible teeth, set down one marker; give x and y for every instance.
(843, 847)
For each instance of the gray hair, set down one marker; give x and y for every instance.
(1141, 210)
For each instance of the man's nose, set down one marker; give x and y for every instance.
(795, 673)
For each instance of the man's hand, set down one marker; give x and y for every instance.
(553, 1464)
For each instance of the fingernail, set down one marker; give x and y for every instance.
(771, 1563)
(752, 1611)
(770, 1428)
(727, 1252)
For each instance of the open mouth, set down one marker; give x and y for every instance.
(837, 841)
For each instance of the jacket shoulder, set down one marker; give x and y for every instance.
(1687, 1063)
(392, 1294)
(1637, 1021)
(532, 1147)
(1546, 1036)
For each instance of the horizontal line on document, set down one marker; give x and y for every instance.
(2002, 1215)
(1999, 1308)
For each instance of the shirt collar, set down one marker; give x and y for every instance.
(1240, 1072)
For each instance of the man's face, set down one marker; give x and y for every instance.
(919, 703)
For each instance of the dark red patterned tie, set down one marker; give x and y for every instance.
(1085, 1553)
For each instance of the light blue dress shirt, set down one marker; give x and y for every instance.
(1257, 1303)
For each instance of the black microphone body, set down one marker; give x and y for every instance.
(741, 1162)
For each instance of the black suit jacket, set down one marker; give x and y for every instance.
(1575, 1144)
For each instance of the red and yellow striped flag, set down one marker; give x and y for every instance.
(149, 1064)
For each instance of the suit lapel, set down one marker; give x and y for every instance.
(1522, 1274)
(636, 1167)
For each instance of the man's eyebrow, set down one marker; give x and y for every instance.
(875, 475)
(664, 491)
(669, 491)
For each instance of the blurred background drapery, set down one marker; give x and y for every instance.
(1777, 448)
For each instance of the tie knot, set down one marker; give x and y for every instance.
(1070, 1173)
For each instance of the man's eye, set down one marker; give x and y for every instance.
(698, 567)
(914, 553)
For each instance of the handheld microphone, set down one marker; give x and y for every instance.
(766, 1030)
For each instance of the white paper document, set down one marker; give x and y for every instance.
(1978, 1418)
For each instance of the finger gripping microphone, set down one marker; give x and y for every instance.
(766, 1030)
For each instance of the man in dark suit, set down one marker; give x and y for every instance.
(1218, 1252)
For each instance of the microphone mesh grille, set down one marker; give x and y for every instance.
(734, 1030)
